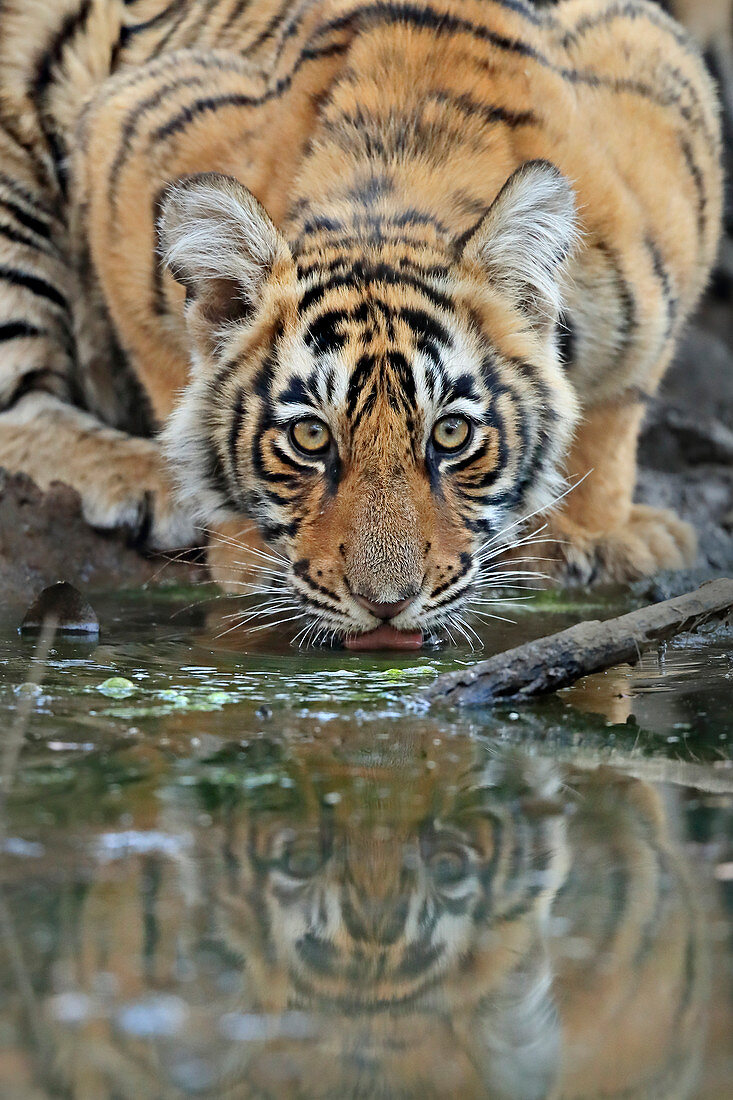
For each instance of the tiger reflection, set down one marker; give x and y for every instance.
(408, 922)
(494, 926)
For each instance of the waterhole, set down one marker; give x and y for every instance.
(233, 868)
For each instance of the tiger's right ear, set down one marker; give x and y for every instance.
(220, 243)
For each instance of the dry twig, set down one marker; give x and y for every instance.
(543, 666)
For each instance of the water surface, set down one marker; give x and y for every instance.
(229, 868)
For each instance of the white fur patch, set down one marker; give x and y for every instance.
(526, 237)
(211, 228)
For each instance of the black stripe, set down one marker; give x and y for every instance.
(266, 31)
(135, 115)
(660, 270)
(400, 135)
(377, 227)
(15, 237)
(19, 330)
(154, 21)
(271, 532)
(697, 178)
(321, 334)
(426, 327)
(470, 459)
(192, 112)
(466, 566)
(41, 229)
(627, 302)
(632, 12)
(194, 35)
(175, 26)
(355, 133)
(379, 273)
(73, 24)
(46, 380)
(21, 193)
(287, 460)
(296, 393)
(235, 427)
(37, 286)
(149, 103)
(301, 569)
(238, 10)
(487, 112)
(425, 18)
(364, 370)
(342, 264)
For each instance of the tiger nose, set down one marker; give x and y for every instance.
(384, 610)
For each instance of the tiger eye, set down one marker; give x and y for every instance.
(310, 436)
(448, 866)
(451, 434)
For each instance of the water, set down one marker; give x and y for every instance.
(232, 869)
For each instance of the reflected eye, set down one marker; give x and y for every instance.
(448, 866)
(451, 434)
(310, 436)
(302, 859)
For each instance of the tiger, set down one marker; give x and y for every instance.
(498, 926)
(365, 288)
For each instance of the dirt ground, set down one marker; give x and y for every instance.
(43, 539)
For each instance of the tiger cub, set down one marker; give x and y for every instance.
(389, 278)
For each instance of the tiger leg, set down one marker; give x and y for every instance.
(120, 478)
(43, 432)
(601, 534)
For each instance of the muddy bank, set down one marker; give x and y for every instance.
(43, 539)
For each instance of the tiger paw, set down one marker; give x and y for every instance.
(652, 540)
(133, 491)
(122, 480)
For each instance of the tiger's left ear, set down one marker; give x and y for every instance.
(220, 243)
(525, 238)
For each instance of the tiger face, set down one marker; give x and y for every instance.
(398, 890)
(384, 400)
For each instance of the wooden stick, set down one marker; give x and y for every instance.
(540, 667)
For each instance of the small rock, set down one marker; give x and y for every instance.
(117, 687)
(64, 603)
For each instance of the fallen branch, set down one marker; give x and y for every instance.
(540, 667)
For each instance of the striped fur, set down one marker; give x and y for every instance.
(373, 212)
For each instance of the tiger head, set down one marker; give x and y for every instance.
(385, 401)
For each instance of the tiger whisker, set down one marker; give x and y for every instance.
(257, 590)
(499, 599)
(278, 622)
(263, 611)
(228, 540)
(263, 608)
(543, 508)
(496, 618)
(522, 574)
(256, 567)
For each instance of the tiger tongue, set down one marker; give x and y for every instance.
(385, 637)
